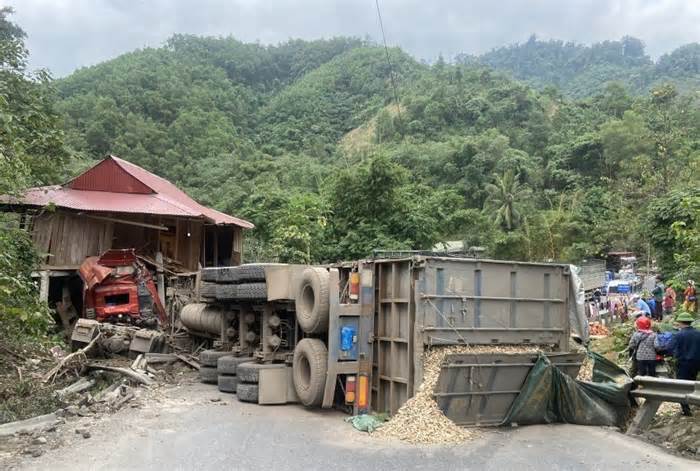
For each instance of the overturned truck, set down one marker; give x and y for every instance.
(353, 335)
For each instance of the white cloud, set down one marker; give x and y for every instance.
(65, 34)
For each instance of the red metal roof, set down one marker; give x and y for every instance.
(115, 185)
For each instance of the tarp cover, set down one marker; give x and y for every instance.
(550, 396)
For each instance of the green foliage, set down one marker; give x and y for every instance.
(581, 71)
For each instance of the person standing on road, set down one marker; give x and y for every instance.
(658, 293)
(641, 347)
(686, 350)
(669, 300)
(690, 297)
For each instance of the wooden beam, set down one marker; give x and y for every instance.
(127, 222)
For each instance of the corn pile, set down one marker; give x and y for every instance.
(586, 371)
(420, 420)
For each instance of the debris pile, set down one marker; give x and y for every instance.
(674, 431)
(420, 420)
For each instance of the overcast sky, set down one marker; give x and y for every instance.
(66, 34)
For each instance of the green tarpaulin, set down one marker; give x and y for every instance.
(550, 396)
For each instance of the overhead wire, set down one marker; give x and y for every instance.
(391, 67)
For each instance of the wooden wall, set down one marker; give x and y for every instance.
(68, 238)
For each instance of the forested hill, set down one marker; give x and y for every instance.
(582, 71)
(305, 139)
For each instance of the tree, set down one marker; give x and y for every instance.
(505, 198)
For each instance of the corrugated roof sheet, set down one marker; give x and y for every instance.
(115, 185)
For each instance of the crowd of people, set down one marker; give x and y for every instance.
(647, 347)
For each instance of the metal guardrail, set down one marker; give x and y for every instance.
(654, 391)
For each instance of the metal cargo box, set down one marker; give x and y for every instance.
(423, 301)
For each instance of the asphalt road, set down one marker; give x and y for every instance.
(182, 429)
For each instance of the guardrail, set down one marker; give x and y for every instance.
(654, 391)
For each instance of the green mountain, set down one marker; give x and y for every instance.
(306, 140)
(581, 71)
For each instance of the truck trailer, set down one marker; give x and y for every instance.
(353, 335)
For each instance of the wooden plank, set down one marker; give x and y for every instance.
(157, 227)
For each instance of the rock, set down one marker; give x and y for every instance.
(70, 411)
(86, 434)
(215, 399)
(39, 441)
(37, 452)
(83, 411)
(80, 431)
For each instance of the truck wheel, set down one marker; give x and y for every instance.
(226, 292)
(228, 364)
(208, 374)
(210, 274)
(227, 383)
(312, 301)
(309, 371)
(249, 372)
(252, 291)
(210, 357)
(207, 290)
(247, 392)
(248, 273)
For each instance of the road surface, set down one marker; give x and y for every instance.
(181, 428)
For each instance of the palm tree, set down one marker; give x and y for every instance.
(505, 195)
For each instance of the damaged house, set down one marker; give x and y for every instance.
(119, 205)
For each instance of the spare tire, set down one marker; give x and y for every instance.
(309, 371)
(208, 374)
(228, 364)
(312, 300)
(227, 383)
(210, 357)
(247, 392)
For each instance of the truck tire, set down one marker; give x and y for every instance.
(309, 371)
(247, 392)
(249, 372)
(207, 290)
(208, 374)
(227, 383)
(226, 292)
(248, 273)
(227, 275)
(312, 300)
(252, 291)
(228, 364)
(210, 274)
(210, 357)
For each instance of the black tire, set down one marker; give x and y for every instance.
(227, 365)
(210, 357)
(313, 300)
(252, 292)
(226, 292)
(207, 290)
(250, 372)
(227, 383)
(208, 374)
(210, 274)
(247, 392)
(228, 275)
(248, 273)
(309, 371)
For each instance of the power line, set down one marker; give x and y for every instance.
(391, 68)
